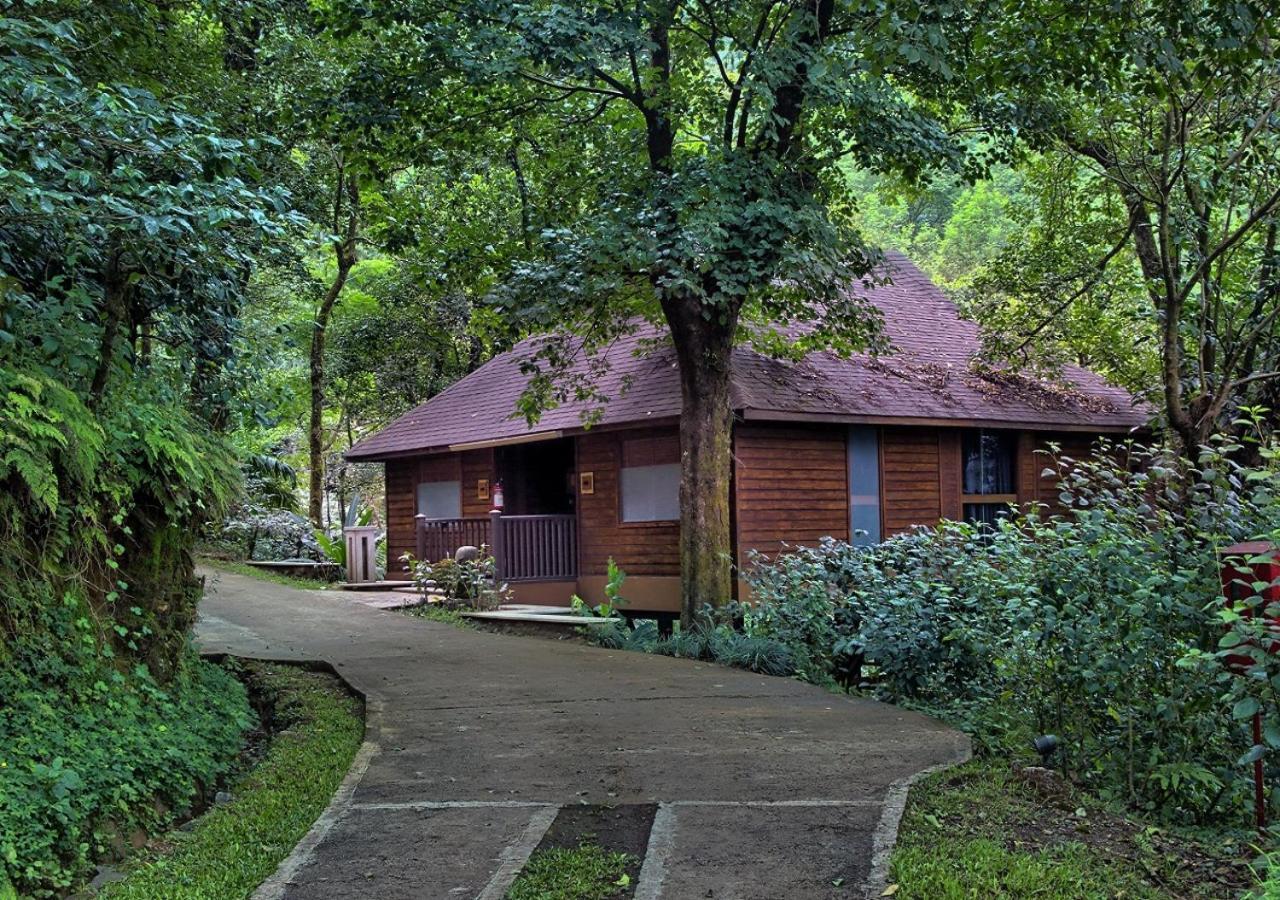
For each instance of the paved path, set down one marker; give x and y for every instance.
(767, 788)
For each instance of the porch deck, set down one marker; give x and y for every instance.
(524, 548)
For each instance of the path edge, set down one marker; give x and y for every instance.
(273, 888)
(885, 837)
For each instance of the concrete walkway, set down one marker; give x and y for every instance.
(767, 788)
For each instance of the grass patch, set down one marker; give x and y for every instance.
(982, 830)
(436, 613)
(233, 847)
(241, 568)
(587, 872)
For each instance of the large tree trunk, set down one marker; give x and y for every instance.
(704, 351)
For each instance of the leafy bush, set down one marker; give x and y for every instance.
(462, 584)
(717, 642)
(251, 532)
(613, 600)
(1101, 625)
(317, 730)
(759, 654)
(86, 763)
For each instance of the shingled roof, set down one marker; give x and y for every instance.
(927, 380)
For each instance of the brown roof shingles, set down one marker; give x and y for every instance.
(928, 377)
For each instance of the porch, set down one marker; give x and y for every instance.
(525, 548)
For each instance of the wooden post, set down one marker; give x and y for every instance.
(420, 537)
(360, 541)
(496, 542)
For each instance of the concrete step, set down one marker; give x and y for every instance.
(543, 618)
(374, 585)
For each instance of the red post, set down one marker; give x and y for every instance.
(1242, 566)
(1259, 788)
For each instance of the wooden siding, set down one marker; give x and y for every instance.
(910, 478)
(791, 486)
(639, 548)
(403, 477)
(1070, 444)
(476, 464)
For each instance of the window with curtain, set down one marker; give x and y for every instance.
(864, 485)
(440, 499)
(988, 489)
(650, 480)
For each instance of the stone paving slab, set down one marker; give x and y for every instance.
(411, 854)
(508, 728)
(721, 851)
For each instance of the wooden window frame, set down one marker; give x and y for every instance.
(984, 499)
(651, 443)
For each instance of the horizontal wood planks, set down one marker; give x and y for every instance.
(910, 478)
(641, 548)
(1069, 446)
(401, 479)
(791, 486)
(476, 465)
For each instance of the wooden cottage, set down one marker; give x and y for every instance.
(858, 449)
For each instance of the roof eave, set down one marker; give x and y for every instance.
(780, 415)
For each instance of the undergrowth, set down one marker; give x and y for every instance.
(89, 755)
(234, 846)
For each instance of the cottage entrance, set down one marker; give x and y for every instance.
(537, 478)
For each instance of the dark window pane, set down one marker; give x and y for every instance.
(985, 513)
(988, 462)
(864, 484)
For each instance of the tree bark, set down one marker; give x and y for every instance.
(344, 251)
(115, 309)
(703, 350)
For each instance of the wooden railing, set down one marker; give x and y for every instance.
(524, 548)
(441, 538)
(535, 548)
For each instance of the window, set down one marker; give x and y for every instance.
(440, 499)
(650, 479)
(987, 482)
(864, 485)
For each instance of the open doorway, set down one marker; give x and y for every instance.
(537, 478)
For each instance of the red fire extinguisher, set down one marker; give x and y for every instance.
(497, 495)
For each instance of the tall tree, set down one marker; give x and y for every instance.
(1172, 111)
(344, 241)
(718, 210)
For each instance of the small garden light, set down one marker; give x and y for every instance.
(1046, 745)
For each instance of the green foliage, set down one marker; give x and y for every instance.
(460, 584)
(719, 642)
(977, 831)
(613, 600)
(319, 730)
(334, 548)
(588, 872)
(1100, 626)
(102, 753)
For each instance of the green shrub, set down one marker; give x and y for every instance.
(759, 654)
(463, 584)
(86, 762)
(231, 848)
(1101, 625)
(685, 645)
